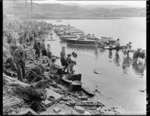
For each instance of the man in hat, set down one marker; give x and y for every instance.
(19, 57)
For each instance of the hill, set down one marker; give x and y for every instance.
(61, 11)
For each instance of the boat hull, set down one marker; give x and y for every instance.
(114, 47)
(65, 38)
(80, 42)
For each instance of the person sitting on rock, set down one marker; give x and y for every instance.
(54, 68)
(9, 64)
(71, 64)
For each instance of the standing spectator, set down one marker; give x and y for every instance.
(19, 57)
(63, 58)
(37, 49)
(71, 64)
(43, 48)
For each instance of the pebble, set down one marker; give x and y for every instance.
(80, 109)
(87, 113)
(57, 110)
(61, 102)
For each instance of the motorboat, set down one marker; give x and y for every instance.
(83, 40)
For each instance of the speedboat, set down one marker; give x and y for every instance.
(68, 37)
(108, 39)
(83, 40)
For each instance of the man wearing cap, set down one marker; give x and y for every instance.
(19, 57)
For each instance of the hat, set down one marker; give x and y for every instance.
(74, 54)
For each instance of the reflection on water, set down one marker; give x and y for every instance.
(80, 47)
(117, 59)
(110, 54)
(126, 64)
(96, 52)
(138, 68)
(102, 50)
(89, 58)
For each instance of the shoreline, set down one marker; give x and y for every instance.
(105, 100)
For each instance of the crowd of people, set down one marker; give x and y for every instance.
(138, 58)
(32, 34)
(139, 55)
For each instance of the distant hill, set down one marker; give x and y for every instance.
(61, 11)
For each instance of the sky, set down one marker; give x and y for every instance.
(138, 3)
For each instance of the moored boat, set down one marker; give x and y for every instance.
(108, 40)
(68, 37)
(87, 91)
(83, 40)
(68, 79)
(113, 47)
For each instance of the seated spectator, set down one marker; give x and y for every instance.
(55, 69)
(71, 64)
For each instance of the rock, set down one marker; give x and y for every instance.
(109, 113)
(61, 102)
(80, 109)
(83, 97)
(73, 112)
(57, 110)
(87, 113)
(66, 98)
(27, 111)
(62, 113)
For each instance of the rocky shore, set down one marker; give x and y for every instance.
(49, 95)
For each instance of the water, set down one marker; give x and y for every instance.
(120, 85)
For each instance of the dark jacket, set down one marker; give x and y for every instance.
(19, 54)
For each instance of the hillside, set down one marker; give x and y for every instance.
(61, 11)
